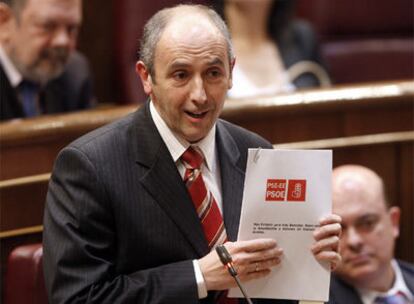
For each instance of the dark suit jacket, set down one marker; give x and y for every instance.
(119, 225)
(343, 293)
(70, 91)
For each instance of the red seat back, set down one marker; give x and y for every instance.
(24, 278)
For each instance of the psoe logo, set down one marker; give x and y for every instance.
(276, 190)
(293, 190)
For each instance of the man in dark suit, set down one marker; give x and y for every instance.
(368, 272)
(120, 222)
(40, 72)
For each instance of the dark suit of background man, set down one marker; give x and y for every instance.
(39, 70)
(370, 227)
(120, 225)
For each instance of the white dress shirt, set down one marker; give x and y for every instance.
(10, 70)
(243, 87)
(368, 296)
(209, 170)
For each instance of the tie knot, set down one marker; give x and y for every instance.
(192, 159)
(27, 85)
(29, 94)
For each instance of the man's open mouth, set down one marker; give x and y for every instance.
(196, 115)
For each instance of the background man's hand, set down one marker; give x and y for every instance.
(327, 240)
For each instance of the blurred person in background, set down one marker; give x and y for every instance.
(368, 273)
(40, 71)
(274, 53)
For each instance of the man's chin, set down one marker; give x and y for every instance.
(359, 273)
(44, 74)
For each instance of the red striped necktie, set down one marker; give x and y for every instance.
(204, 202)
(206, 206)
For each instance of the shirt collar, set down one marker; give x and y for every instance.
(177, 145)
(10, 70)
(368, 296)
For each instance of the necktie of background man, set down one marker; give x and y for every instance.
(397, 298)
(29, 94)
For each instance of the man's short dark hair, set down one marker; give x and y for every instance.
(156, 25)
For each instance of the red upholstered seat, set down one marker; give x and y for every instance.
(24, 278)
(364, 40)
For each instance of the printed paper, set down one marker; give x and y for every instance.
(286, 192)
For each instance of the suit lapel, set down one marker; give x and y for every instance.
(232, 177)
(163, 181)
(407, 271)
(53, 97)
(10, 105)
(342, 293)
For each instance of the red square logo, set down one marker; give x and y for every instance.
(296, 190)
(276, 190)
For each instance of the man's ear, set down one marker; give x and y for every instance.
(7, 22)
(145, 77)
(395, 214)
(233, 61)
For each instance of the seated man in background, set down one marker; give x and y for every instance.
(368, 272)
(40, 72)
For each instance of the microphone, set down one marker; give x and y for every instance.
(227, 261)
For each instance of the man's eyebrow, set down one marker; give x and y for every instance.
(178, 64)
(367, 216)
(216, 61)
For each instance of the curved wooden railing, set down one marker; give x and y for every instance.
(308, 115)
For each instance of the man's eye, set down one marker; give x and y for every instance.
(48, 27)
(214, 73)
(180, 75)
(367, 225)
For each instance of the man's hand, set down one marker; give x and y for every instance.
(251, 259)
(327, 236)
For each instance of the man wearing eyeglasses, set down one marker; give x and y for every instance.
(368, 273)
(40, 70)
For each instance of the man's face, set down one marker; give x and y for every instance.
(43, 36)
(192, 76)
(368, 235)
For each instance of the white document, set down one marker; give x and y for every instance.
(286, 192)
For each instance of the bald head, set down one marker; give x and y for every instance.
(156, 26)
(369, 227)
(357, 183)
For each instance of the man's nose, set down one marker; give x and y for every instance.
(198, 92)
(353, 239)
(62, 38)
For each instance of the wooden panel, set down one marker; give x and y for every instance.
(22, 203)
(29, 147)
(405, 198)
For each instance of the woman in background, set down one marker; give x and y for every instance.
(267, 43)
